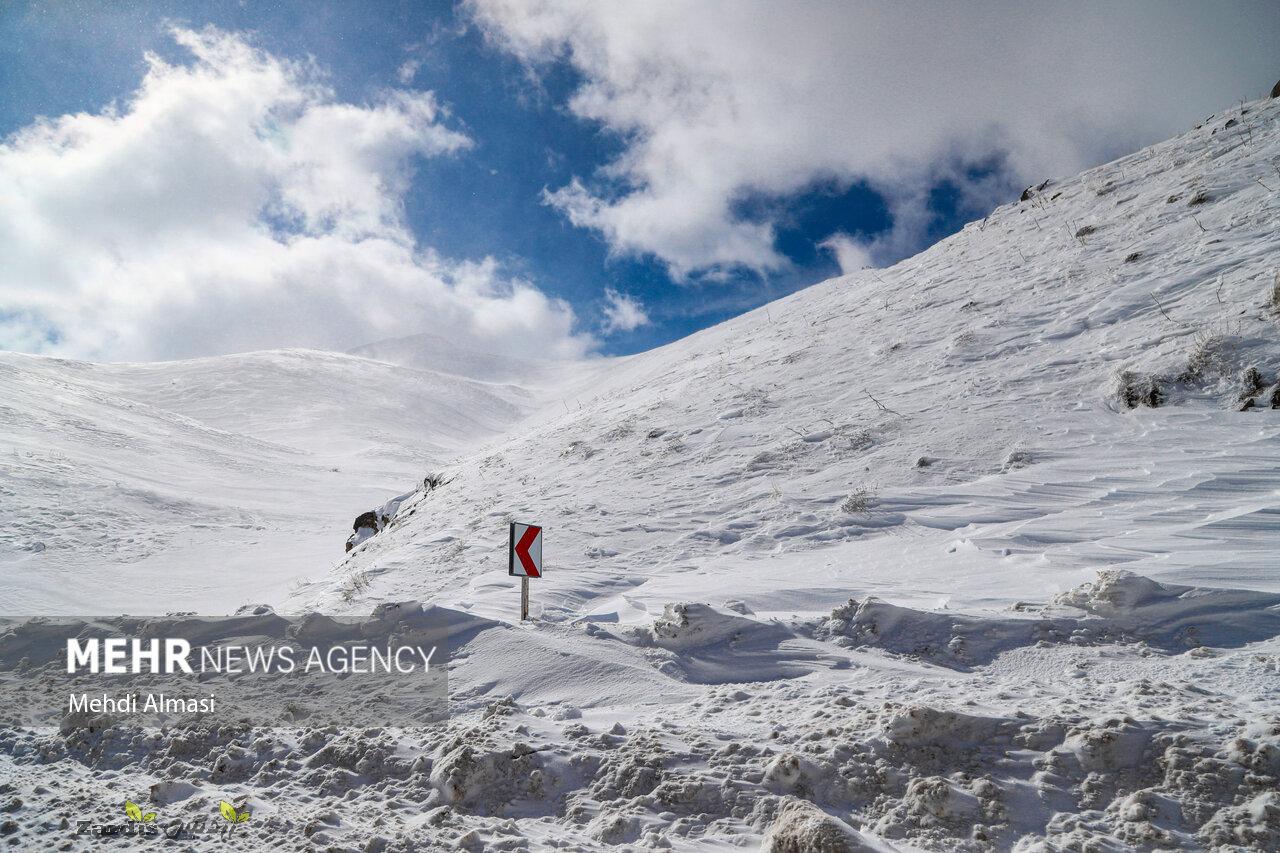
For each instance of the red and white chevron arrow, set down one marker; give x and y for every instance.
(525, 551)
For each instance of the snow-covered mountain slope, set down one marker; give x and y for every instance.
(200, 484)
(949, 428)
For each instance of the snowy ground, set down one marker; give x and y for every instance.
(895, 546)
(199, 485)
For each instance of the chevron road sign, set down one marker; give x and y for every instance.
(524, 559)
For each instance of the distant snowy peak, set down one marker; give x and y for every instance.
(433, 352)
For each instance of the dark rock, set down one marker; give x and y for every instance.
(1246, 405)
(1132, 256)
(1199, 198)
(1029, 192)
(1275, 397)
(365, 525)
(1275, 90)
(375, 521)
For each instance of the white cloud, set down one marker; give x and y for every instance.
(849, 253)
(230, 204)
(622, 313)
(718, 99)
(408, 70)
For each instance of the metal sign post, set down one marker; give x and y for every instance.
(524, 559)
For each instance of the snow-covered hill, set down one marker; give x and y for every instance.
(198, 485)
(952, 426)
(440, 355)
(907, 560)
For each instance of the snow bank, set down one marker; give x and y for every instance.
(686, 626)
(1172, 616)
(708, 645)
(802, 827)
(1120, 606)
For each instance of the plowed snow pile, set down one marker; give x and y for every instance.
(973, 553)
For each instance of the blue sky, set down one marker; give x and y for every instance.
(517, 95)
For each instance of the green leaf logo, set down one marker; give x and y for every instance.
(149, 817)
(134, 813)
(230, 814)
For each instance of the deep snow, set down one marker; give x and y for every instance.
(200, 485)
(895, 546)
